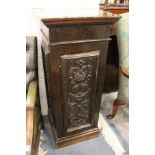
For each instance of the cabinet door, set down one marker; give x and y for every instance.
(79, 74)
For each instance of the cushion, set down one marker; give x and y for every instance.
(31, 52)
(31, 59)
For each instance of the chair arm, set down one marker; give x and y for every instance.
(31, 95)
(31, 116)
(29, 130)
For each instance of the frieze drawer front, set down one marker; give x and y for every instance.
(78, 32)
(74, 52)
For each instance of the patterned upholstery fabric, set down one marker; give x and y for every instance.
(122, 32)
(31, 59)
(123, 90)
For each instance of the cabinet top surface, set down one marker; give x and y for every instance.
(51, 17)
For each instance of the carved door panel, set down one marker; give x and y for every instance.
(79, 74)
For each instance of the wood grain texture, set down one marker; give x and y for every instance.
(117, 10)
(70, 17)
(32, 130)
(68, 140)
(32, 119)
(74, 52)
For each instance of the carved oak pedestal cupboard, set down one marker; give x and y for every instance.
(74, 52)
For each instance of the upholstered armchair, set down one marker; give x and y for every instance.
(122, 34)
(32, 98)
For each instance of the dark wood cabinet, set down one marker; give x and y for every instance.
(74, 51)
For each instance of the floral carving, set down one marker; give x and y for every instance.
(79, 80)
(80, 72)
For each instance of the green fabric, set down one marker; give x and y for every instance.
(122, 30)
(122, 33)
(123, 90)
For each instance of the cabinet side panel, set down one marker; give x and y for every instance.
(79, 79)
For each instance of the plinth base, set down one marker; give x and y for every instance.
(68, 140)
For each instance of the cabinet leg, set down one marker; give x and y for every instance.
(117, 103)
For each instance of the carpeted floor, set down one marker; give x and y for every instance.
(120, 123)
(95, 146)
(113, 139)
